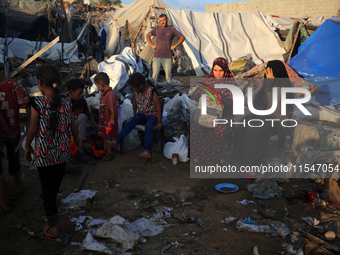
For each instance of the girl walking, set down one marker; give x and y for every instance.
(51, 124)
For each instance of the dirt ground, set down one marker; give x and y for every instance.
(129, 187)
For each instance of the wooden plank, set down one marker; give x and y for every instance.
(36, 55)
(130, 36)
(294, 42)
(140, 28)
(326, 244)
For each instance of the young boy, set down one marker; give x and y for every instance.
(80, 110)
(3, 129)
(12, 97)
(108, 113)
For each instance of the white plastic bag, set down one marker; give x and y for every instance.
(180, 146)
(131, 141)
(174, 104)
(126, 112)
(187, 103)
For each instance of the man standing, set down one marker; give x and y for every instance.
(163, 49)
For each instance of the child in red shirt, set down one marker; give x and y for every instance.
(108, 113)
(12, 97)
(3, 129)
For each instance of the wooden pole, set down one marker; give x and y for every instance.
(31, 59)
(130, 36)
(67, 24)
(140, 28)
(294, 42)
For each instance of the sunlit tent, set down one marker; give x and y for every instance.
(130, 24)
(318, 61)
(208, 35)
(229, 35)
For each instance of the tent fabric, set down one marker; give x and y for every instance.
(22, 48)
(282, 23)
(319, 55)
(229, 35)
(135, 14)
(35, 8)
(119, 68)
(318, 61)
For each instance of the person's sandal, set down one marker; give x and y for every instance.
(145, 154)
(48, 235)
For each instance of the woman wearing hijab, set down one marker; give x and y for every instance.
(208, 142)
(250, 143)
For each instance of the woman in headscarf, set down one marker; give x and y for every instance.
(206, 143)
(250, 143)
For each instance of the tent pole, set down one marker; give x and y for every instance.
(140, 28)
(294, 42)
(130, 35)
(36, 55)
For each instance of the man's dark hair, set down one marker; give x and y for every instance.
(102, 78)
(163, 15)
(75, 84)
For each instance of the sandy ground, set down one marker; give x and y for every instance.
(129, 187)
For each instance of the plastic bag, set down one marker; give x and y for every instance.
(187, 103)
(126, 111)
(180, 146)
(131, 141)
(173, 104)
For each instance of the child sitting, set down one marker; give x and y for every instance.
(108, 113)
(80, 111)
(149, 112)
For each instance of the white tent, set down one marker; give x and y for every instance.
(138, 13)
(208, 35)
(229, 35)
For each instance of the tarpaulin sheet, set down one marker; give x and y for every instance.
(229, 35)
(318, 61)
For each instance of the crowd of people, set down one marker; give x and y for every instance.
(53, 121)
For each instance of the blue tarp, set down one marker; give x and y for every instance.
(318, 60)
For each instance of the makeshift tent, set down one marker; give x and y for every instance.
(208, 35)
(141, 16)
(318, 61)
(24, 49)
(229, 35)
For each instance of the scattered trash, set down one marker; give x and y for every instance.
(229, 220)
(148, 227)
(275, 228)
(265, 188)
(255, 251)
(118, 229)
(78, 200)
(91, 244)
(330, 235)
(245, 202)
